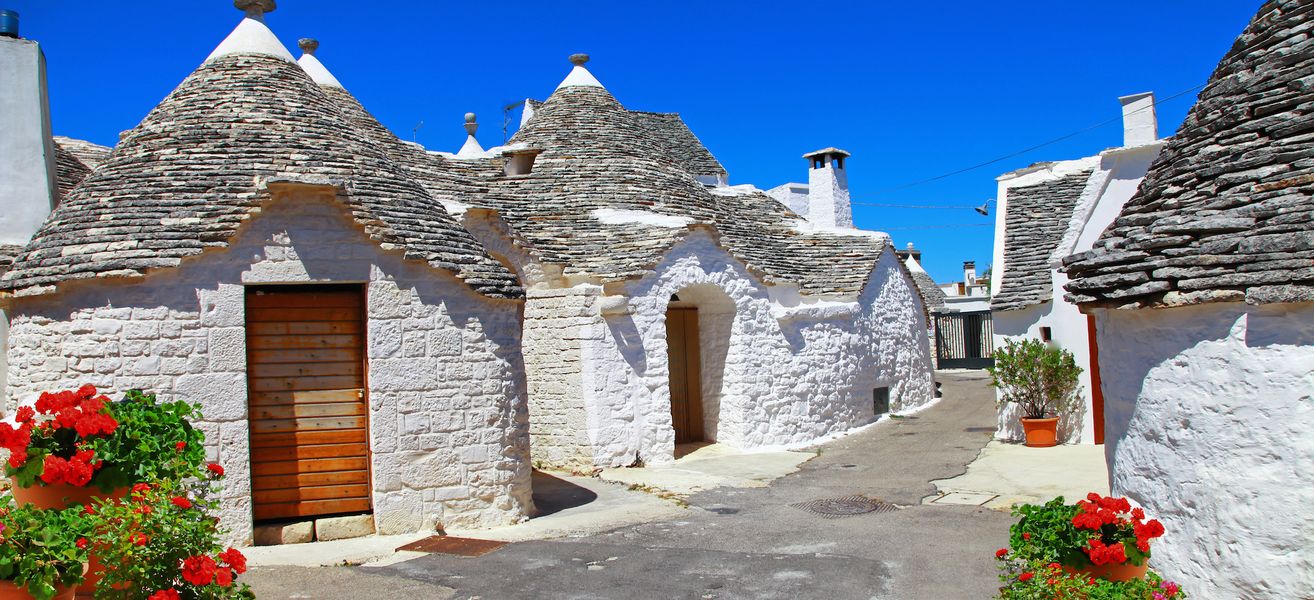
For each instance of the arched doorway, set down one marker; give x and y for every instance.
(699, 320)
(686, 371)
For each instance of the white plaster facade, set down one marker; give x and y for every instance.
(1115, 175)
(447, 415)
(1208, 411)
(776, 370)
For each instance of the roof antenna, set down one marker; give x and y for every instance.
(416, 129)
(506, 119)
(984, 209)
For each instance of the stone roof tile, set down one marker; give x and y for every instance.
(1035, 218)
(74, 160)
(1226, 211)
(194, 170)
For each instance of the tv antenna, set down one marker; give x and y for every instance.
(416, 129)
(506, 119)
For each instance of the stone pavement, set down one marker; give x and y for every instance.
(1012, 474)
(734, 543)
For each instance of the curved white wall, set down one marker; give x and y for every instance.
(1210, 426)
(791, 375)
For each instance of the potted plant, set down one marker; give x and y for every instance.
(1100, 537)
(1042, 380)
(42, 553)
(75, 445)
(161, 543)
(1049, 581)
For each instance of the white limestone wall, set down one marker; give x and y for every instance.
(449, 431)
(1209, 413)
(773, 375)
(557, 323)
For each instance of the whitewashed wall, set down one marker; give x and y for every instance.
(1210, 411)
(1116, 175)
(449, 430)
(773, 375)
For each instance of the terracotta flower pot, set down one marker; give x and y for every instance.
(9, 591)
(1041, 433)
(1113, 572)
(60, 495)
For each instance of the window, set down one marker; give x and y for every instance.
(880, 400)
(1046, 334)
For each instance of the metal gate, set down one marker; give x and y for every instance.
(964, 340)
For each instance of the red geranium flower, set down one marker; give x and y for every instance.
(1026, 576)
(223, 577)
(82, 543)
(235, 559)
(139, 539)
(169, 594)
(1000, 553)
(198, 570)
(25, 414)
(215, 468)
(140, 488)
(179, 446)
(181, 502)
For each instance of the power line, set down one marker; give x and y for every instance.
(951, 226)
(1037, 146)
(883, 205)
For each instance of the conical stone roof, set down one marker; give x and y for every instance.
(1225, 213)
(195, 169)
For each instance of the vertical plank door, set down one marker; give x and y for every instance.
(306, 395)
(686, 373)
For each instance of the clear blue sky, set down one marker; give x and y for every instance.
(914, 90)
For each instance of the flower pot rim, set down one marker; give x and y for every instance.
(1040, 418)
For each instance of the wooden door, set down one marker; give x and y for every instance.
(686, 373)
(306, 395)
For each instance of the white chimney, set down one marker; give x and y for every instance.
(1140, 126)
(27, 153)
(969, 272)
(828, 189)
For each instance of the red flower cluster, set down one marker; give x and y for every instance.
(215, 469)
(203, 570)
(169, 594)
(181, 502)
(75, 471)
(1096, 512)
(82, 411)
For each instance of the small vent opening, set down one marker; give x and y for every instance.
(880, 400)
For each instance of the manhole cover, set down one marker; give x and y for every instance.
(848, 506)
(459, 546)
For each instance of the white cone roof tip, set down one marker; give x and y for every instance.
(471, 149)
(913, 265)
(580, 77)
(317, 72)
(251, 36)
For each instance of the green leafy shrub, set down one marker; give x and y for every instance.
(154, 441)
(162, 543)
(1040, 379)
(1035, 580)
(41, 550)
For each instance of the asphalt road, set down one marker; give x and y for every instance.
(747, 543)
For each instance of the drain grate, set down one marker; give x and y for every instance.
(847, 506)
(459, 546)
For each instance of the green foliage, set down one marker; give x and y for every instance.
(1045, 533)
(143, 541)
(39, 548)
(144, 446)
(1041, 379)
(1037, 580)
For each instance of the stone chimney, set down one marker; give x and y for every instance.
(27, 153)
(1140, 126)
(828, 189)
(969, 272)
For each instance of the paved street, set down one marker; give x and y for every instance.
(747, 543)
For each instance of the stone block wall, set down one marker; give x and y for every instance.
(448, 421)
(556, 325)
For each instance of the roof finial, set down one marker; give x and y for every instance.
(578, 59)
(308, 45)
(470, 126)
(255, 9)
